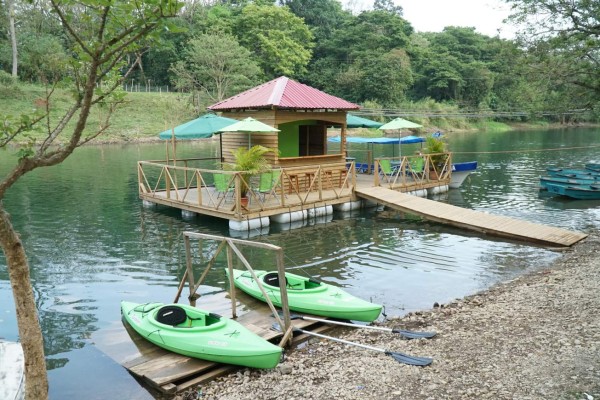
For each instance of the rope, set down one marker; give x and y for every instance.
(525, 150)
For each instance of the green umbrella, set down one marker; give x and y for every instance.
(399, 123)
(199, 128)
(352, 121)
(249, 125)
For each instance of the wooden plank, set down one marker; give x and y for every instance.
(169, 372)
(169, 368)
(471, 219)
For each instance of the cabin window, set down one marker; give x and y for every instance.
(312, 140)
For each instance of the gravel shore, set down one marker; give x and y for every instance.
(535, 337)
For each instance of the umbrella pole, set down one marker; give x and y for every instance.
(400, 146)
(221, 147)
(167, 151)
(174, 147)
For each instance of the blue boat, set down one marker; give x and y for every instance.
(565, 181)
(582, 192)
(460, 171)
(593, 166)
(571, 172)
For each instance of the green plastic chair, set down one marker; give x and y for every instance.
(385, 166)
(222, 185)
(417, 165)
(268, 182)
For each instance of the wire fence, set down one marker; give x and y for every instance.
(370, 112)
(147, 87)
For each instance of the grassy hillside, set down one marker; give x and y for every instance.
(144, 115)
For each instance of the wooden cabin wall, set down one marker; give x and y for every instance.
(233, 140)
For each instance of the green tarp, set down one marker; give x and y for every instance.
(199, 128)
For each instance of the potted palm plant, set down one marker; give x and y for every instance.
(437, 148)
(248, 162)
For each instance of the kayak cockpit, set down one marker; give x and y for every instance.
(292, 282)
(179, 317)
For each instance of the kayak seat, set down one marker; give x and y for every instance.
(311, 284)
(212, 318)
(171, 315)
(272, 278)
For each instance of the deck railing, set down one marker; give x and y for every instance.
(405, 175)
(194, 188)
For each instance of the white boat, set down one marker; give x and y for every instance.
(460, 171)
(12, 371)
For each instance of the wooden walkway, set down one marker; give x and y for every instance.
(474, 220)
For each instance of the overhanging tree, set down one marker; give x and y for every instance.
(280, 40)
(100, 33)
(560, 31)
(215, 65)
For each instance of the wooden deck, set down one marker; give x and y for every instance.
(496, 225)
(297, 188)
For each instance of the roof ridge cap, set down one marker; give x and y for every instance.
(278, 90)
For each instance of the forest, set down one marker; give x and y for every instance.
(82, 56)
(214, 49)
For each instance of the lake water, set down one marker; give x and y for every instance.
(91, 244)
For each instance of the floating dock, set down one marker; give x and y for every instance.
(495, 225)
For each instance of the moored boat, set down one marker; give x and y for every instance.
(581, 192)
(565, 181)
(460, 172)
(308, 296)
(573, 172)
(593, 166)
(12, 371)
(196, 333)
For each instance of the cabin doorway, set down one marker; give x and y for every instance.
(312, 140)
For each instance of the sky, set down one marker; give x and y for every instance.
(433, 15)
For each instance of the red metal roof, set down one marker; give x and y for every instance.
(285, 93)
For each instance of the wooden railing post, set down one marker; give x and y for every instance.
(199, 186)
(284, 295)
(231, 278)
(167, 182)
(189, 271)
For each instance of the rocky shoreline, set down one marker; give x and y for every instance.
(535, 337)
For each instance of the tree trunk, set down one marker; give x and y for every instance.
(13, 36)
(30, 333)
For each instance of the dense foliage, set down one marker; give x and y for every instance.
(219, 48)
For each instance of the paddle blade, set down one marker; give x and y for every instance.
(410, 360)
(414, 335)
(277, 327)
(292, 316)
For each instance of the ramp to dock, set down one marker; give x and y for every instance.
(496, 225)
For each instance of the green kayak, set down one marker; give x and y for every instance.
(196, 333)
(308, 296)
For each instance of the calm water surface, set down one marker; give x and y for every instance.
(91, 244)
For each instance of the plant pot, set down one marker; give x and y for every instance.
(433, 175)
(244, 201)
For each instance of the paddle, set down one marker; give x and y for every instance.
(404, 333)
(400, 357)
